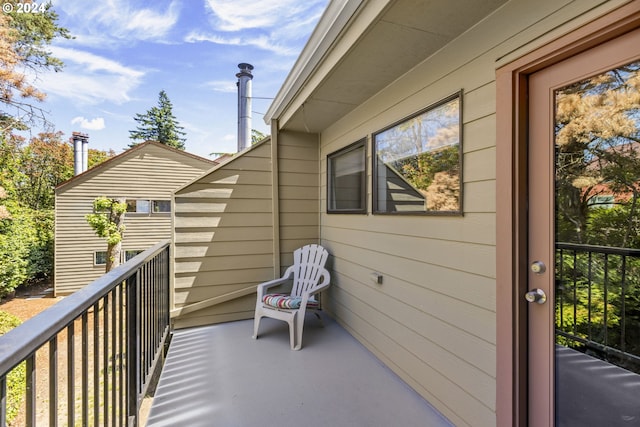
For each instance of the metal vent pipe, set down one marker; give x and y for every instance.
(80, 152)
(244, 105)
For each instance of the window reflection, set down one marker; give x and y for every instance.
(418, 162)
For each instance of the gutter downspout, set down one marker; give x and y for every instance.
(275, 198)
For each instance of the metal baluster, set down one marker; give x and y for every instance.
(3, 400)
(121, 350)
(30, 391)
(85, 368)
(114, 377)
(589, 273)
(575, 292)
(623, 284)
(53, 381)
(96, 364)
(606, 296)
(71, 375)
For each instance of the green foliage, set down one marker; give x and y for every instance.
(26, 246)
(45, 162)
(36, 32)
(420, 170)
(610, 226)
(159, 124)
(596, 295)
(108, 222)
(28, 174)
(596, 156)
(597, 167)
(26, 37)
(16, 378)
(257, 136)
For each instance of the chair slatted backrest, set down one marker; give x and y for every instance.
(308, 264)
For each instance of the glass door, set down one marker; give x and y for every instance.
(584, 239)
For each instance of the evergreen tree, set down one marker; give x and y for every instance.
(159, 124)
(24, 41)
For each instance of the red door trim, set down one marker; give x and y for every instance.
(511, 218)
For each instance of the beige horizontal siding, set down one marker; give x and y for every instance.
(152, 173)
(224, 226)
(299, 192)
(223, 235)
(432, 320)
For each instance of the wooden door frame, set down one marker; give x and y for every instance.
(511, 190)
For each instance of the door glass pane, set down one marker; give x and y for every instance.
(597, 272)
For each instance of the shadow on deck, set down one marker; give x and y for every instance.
(218, 376)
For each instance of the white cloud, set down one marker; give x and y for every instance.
(90, 78)
(118, 21)
(93, 124)
(262, 14)
(272, 25)
(225, 86)
(261, 41)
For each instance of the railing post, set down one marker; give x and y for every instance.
(133, 349)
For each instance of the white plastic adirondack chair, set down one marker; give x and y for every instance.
(309, 278)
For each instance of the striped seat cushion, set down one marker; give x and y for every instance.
(287, 301)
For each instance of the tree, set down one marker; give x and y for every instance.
(24, 38)
(257, 136)
(159, 124)
(108, 222)
(28, 175)
(98, 156)
(598, 151)
(45, 162)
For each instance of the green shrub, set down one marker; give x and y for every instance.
(16, 381)
(26, 247)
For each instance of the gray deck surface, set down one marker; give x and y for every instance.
(218, 376)
(594, 393)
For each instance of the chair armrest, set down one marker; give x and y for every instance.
(263, 287)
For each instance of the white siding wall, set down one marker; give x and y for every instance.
(152, 173)
(433, 320)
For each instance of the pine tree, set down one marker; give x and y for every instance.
(159, 124)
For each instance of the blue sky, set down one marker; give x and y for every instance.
(126, 51)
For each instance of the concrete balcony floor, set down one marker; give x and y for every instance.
(218, 376)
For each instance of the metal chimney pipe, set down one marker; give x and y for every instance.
(244, 105)
(80, 152)
(85, 153)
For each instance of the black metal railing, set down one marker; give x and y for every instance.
(597, 302)
(113, 333)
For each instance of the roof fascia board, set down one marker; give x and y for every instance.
(322, 40)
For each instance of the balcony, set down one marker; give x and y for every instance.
(217, 375)
(116, 329)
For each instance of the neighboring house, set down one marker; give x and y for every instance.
(145, 176)
(449, 314)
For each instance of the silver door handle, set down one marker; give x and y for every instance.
(536, 295)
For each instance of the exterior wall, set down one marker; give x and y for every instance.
(224, 226)
(151, 172)
(299, 182)
(433, 319)
(223, 237)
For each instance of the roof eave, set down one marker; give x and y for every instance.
(321, 41)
